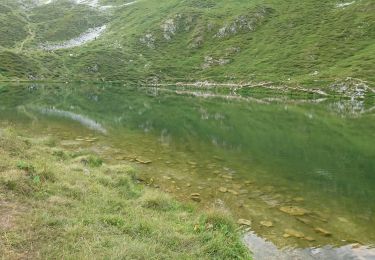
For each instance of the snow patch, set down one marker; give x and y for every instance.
(91, 3)
(89, 123)
(84, 38)
(106, 7)
(343, 5)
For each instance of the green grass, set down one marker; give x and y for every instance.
(64, 20)
(289, 41)
(12, 25)
(64, 204)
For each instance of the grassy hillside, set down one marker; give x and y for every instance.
(306, 42)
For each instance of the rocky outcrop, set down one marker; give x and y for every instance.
(178, 22)
(169, 28)
(244, 23)
(210, 61)
(148, 40)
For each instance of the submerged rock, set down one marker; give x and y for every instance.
(310, 239)
(304, 220)
(223, 189)
(266, 223)
(322, 231)
(233, 192)
(242, 192)
(293, 233)
(342, 219)
(294, 210)
(244, 222)
(225, 176)
(298, 199)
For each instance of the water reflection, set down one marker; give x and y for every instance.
(305, 163)
(266, 250)
(85, 121)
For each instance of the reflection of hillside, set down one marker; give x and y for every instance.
(298, 141)
(350, 108)
(76, 117)
(298, 134)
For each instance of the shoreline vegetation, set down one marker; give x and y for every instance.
(67, 203)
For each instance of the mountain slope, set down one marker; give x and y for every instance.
(306, 42)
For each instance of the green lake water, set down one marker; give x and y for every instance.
(301, 162)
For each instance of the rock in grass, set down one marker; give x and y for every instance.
(244, 222)
(142, 161)
(195, 197)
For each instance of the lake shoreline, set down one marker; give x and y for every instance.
(351, 88)
(59, 202)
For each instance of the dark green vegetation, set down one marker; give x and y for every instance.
(307, 42)
(64, 203)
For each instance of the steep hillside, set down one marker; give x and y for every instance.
(306, 42)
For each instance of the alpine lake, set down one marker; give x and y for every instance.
(297, 170)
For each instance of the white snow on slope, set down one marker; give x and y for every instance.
(342, 5)
(84, 38)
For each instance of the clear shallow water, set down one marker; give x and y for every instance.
(301, 163)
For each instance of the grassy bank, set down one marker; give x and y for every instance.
(58, 203)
